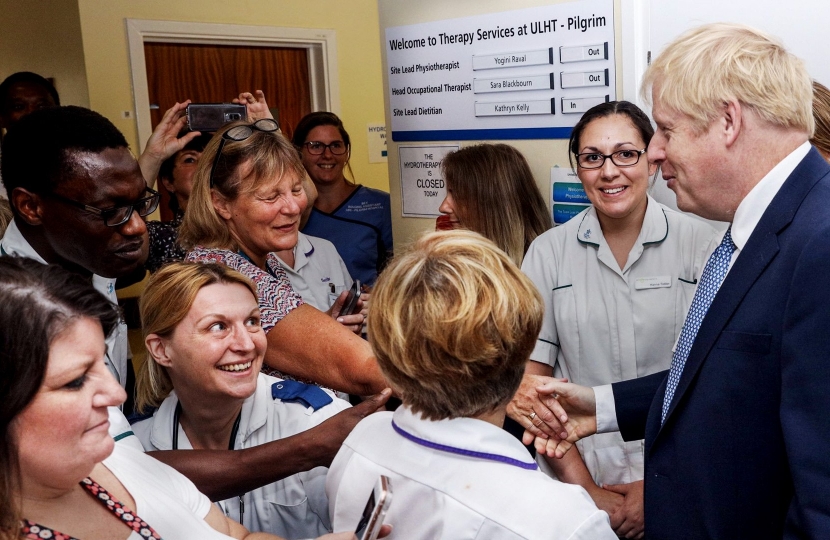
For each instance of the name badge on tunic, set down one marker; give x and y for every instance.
(656, 282)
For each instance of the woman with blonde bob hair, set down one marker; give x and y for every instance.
(490, 190)
(453, 321)
(201, 325)
(245, 205)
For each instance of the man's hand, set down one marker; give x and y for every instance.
(580, 408)
(609, 502)
(629, 516)
(165, 142)
(530, 412)
(338, 427)
(255, 105)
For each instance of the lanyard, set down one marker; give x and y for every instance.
(464, 452)
(231, 446)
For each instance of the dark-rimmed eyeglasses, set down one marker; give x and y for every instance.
(117, 215)
(620, 158)
(240, 133)
(316, 148)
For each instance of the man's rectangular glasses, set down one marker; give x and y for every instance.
(118, 215)
(240, 133)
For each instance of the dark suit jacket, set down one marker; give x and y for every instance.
(745, 449)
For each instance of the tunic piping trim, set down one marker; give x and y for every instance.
(665, 235)
(463, 452)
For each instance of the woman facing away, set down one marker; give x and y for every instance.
(245, 205)
(490, 190)
(452, 322)
(617, 281)
(63, 475)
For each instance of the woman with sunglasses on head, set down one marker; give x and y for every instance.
(617, 280)
(356, 219)
(245, 205)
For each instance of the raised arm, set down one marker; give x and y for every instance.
(164, 142)
(309, 344)
(221, 474)
(255, 105)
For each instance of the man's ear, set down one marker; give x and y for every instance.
(733, 120)
(157, 347)
(27, 205)
(220, 204)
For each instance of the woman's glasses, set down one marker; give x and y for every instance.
(240, 133)
(620, 158)
(316, 148)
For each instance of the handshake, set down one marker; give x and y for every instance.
(554, 413)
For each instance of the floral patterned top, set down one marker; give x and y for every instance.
(164, 242)
(33, 531)
(276, 297)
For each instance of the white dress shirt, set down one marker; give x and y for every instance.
(746, 218)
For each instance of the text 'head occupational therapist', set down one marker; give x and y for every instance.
(735, 432)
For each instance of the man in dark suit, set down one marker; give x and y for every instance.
(737, 433)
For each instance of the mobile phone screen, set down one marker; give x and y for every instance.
(366, 517)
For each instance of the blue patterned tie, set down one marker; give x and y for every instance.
(710, 281)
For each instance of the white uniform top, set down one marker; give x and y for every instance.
(439, 494)
(294, 507)
(317, 266)
(118, 346)
(164, 498)
(603, 324)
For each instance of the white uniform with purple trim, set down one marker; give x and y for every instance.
(458, 479)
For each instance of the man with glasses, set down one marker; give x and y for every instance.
(79, 201)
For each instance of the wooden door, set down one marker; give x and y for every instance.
(218, 73)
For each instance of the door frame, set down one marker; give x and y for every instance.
(320, 43)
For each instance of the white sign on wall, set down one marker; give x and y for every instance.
(377, 143)
(525, 74)
(422, 184)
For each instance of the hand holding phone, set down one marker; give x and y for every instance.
(210, 117)
(350, 306)
(375, 510)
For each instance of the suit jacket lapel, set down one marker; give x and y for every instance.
(759, 251)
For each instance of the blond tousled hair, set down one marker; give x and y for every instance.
(708, 65)
(453, 321)
(821, 114)
(265, 157)
(165, 302)
(496, 196)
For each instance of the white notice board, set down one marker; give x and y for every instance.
(422, 182)
(525, 74)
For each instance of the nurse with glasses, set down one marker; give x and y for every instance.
(355, 218)
(617, 280)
